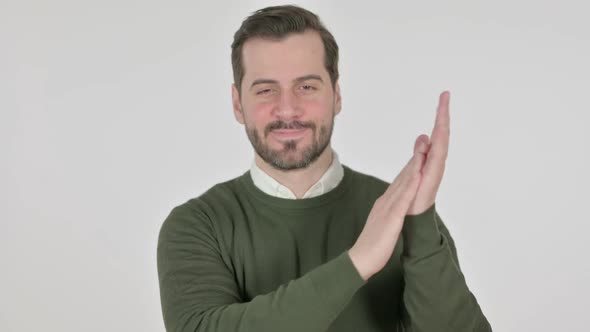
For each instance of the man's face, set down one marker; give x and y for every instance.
(287, 102)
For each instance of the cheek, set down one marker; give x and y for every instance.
(321, 102)
(312, 104)
(259, 116)
(316, 108)
(321, 114)
(313, 109)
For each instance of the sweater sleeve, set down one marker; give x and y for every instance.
(436, 296)
(199, 292)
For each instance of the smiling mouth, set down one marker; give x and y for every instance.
(288, 134)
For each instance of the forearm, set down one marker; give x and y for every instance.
(199, 291)
(436, 296)
(309, 303)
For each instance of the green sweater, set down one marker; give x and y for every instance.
(238, 259)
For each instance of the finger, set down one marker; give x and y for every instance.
(441, 131)
(440, 136)
(403, 194)
(410, 170)
(409, 185)
(422, 144)
(420, 147)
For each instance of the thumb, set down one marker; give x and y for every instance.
(422, 144)
(421, 148)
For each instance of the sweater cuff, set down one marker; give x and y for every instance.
(421, 234)
(337, 281)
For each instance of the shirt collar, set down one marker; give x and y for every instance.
(329, 180)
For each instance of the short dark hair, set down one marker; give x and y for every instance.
(275, 23)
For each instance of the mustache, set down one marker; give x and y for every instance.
(279, 124)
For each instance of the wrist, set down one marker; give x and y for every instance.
(362, 265)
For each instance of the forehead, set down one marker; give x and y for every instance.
(296, 55)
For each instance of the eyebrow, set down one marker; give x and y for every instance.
(297, 80)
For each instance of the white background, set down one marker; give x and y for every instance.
(114, 112)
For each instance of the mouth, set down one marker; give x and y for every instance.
(288, 134)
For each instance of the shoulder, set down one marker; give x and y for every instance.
(197, 213)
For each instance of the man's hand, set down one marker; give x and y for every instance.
(436, 156)
(412, 192)
(375, 244)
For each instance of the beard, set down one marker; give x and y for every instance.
(280, 159)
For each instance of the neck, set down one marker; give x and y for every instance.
(299, 180)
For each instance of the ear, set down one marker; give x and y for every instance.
(238, 112)
(338, 98)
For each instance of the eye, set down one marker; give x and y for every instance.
(263, 92)
(308, 87)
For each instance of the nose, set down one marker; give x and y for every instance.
(288, 106)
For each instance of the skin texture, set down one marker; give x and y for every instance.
(286, 86)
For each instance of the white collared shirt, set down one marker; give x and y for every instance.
(327, 182)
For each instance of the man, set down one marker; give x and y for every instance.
(301, 242)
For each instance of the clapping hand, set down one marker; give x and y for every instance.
(435, 158)
(412, 192)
